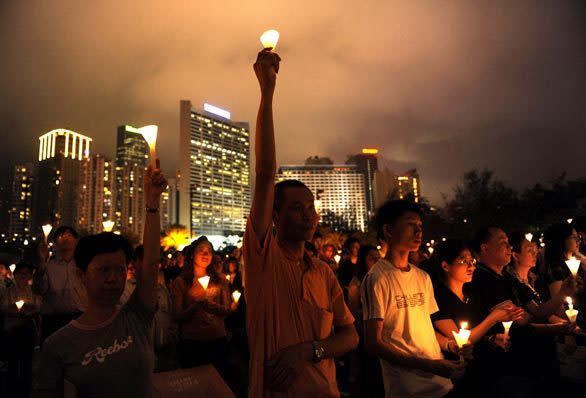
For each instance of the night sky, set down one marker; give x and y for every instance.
(442, 85)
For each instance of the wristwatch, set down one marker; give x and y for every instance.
(318, 351)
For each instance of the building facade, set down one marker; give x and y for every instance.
(214, 188)
(388, 185)
(20, 204)
(97, 194)
(338, 190)
(61, 153)
(367, 164)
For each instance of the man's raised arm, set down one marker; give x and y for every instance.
(266, 68)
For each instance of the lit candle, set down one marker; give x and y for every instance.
(573, 264)
(337, 258)
(150, 135)
(463, 335)
(204, 281)
(228, 278)
(571, 313)
(47, 230)
(507, 326)
(19, 304)
(529, 236)
(236, 295)
(430, 250)
(269, 39)
(569, 220)
(12, 268)
(108, 225)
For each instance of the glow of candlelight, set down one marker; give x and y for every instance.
(337, 258)
(228, 277)
(47, 230)
(150, 135)
(108, 225)
(204, 281)
(463, 335)
(19, 304)
(573, 264)
(12, 268)
(571, 313)
(507, 326)
(570, 220)
(236, 295)
(269, 39)
(529, 236)
(430, 250)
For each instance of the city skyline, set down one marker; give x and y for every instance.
(444, 87)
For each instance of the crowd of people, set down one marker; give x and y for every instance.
(284, 317)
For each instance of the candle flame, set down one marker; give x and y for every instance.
(204, 281)
(573, 264)
(236, 295)
(12, 268)
(464, 325)
(19, 304)
(47, 230)
(529, 236)
(507, 325)
(269, 39)
(569, 300)
(150, 134)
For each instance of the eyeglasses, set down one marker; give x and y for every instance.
(469, 263)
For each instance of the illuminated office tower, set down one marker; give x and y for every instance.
(388, 185)
(20, 203)
(56, 185)
(367, 164)
(409, 186)
(97, 194)
(132, 154)
(338, 190)
(214, 188)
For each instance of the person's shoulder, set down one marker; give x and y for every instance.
(378, 271)
(62, 337)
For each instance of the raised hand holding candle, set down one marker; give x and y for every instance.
(463, 335)
(269, 39)
(19, 304)
(204, 281)
(573, 264)
(47, 230)
(507, 326)
(236, 295)
(571, 313)
(150, 135)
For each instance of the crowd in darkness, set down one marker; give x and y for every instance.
(280, 317)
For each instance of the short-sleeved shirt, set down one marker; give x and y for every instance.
(289, 303)
(114, 359)
(404, 301)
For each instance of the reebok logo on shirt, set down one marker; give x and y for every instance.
(410, 300)
(101, 353)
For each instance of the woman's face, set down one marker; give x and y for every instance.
(528, 254)
(462, 268)
(202, 256)
(232, 267)
(573, 242)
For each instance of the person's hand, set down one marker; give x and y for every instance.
(284, 367)
(466, 351)
(234, 306)
(449, 369)
(505, 313)
(568, 287)
(155, 184)
(266, 68)
(501, 341)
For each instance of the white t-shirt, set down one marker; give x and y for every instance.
(404, 300)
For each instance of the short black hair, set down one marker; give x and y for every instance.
(90, 246)
(516, 239)
(448, 251)
(61, 230)
(391, 211)
(481, 236)
(280, 188)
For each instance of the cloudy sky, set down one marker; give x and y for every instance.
(445, 86)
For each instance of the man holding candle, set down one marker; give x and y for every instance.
(398, 301)
(58, 281)
(297, 320)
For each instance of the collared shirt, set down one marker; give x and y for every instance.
(288, 303)
(60, 285)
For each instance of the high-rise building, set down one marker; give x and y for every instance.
(169, 205)
(56, 185)
(20, 211)
(409, 186)
(97, 194)
(367, 164)
(388, 185)
(132, 154)
(214, 188)
(338, 190)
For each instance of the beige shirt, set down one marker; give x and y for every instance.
(60, 285)
(288, 304)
